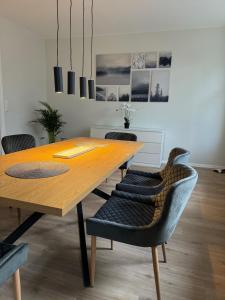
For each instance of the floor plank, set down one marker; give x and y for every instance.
(196, 254)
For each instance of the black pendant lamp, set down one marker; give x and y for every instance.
(58, 77)
(91, 83)
(71, 73)
(83, 81)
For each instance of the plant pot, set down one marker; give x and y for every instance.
(51, 137)
(126, 125)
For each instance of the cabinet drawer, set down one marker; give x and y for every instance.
(147, 158)
(153, 148)
(149, 137)
(142, 136)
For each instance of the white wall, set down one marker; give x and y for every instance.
(23, 75)
(194, 118)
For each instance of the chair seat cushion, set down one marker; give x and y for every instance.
(120, 220)
(11, 259)
(125, 212)
(141, 180)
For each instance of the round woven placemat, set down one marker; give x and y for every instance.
(35, 170)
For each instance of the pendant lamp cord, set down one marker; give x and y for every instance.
(57, 5)
(71, 61)
(83, 43)
(92, 33)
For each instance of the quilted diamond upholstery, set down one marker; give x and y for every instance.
(122, 136)
(176, 173)
(17, 142)
(137, 181)
(126, 212)
(141, 180)
(176, 156)
(141, 223)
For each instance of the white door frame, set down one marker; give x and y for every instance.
(2, 109)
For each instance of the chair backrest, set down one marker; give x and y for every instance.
(17, 142)
(123, 136)
(172, 200)
(12, 257)
(176, 156)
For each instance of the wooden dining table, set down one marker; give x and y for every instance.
(60, 194)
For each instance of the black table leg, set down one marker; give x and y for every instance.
(19, 231)
(101, 194)
(83, 247)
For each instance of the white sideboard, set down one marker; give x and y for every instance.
(151, 154)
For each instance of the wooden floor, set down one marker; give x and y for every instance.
(196, 254)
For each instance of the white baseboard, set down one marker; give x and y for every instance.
(204, 166)
(207, 166)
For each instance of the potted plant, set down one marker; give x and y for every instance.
(127, 113)
(50, 119)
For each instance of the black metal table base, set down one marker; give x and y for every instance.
(83, 246)
(101, 194)
(19, 231)
(30, 221)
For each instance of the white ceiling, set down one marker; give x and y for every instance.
(116, 16)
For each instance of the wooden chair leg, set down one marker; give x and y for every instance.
(121, 174)
(164, 253)
(93, 259)
(17, 286)
(19, 215)
(111, 245)
(155, 260)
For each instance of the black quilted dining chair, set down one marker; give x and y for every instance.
(146, 183)
(17, 142)
(14, 143)
(146, 222)
(123, 136)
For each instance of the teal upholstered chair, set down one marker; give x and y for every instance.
(145, 183)
(11, 259)
(145, 221)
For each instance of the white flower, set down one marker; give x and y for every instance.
(127, 110)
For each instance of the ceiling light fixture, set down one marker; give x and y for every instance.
(58, 77)
(83, 81)
(91, 82)
(71, 73)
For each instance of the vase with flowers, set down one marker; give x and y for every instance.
(127, 112)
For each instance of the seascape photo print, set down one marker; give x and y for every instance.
(151, 60)
(124, 93)
(100, 93)
(112, 93)
(140, 86)
(165, 59)
(113, 69)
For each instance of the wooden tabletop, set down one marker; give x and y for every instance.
(58, 195)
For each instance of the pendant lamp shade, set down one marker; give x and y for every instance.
(83, 88)
(71, 83)
(83, 80)
(71, 73)
(91, 89)
(58, 79)
(91, 82)
(58, 76)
